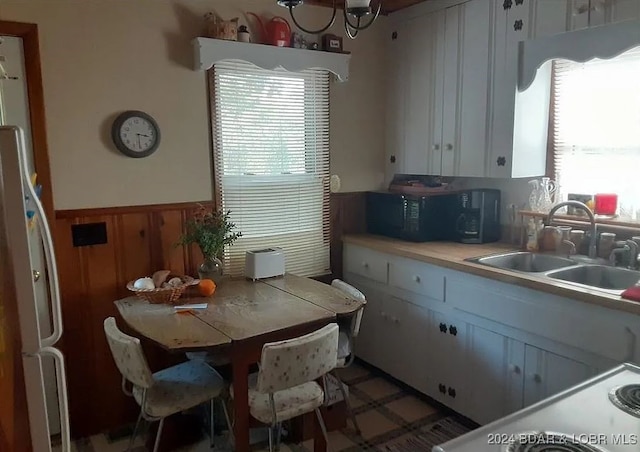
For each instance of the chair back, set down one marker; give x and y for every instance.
(128, 355)
(354, 293)
(290, 363)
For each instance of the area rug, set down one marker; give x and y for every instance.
(428, 436)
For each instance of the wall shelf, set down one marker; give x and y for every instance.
(209, 51)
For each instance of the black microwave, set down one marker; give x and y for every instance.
(408, 217)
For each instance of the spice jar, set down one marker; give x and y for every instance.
(606, 244)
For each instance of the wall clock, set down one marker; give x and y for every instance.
(135, 134)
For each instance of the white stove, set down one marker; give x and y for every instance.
(599, 415)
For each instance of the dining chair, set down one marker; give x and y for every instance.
(346, 339)
(166, 392)
(285, 385)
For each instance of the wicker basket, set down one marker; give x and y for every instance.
(163, 295)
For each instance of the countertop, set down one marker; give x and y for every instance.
(452, 255)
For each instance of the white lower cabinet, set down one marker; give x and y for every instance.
(471, 347)
(447, 373)
(497, 365)
(546, 374)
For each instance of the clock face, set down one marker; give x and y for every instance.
(135, 134)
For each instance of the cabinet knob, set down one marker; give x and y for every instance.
(36, 275)
(518, 24)
(452, 392)
(365, 265)
(537, 378)
(394, 35)
(392, 159)
(514, 369)
(501, 161)
(443, 328)
(507, 4)
(383, 314)
(395, 320)
(416, 278)
(453, 330)
(435, 147)
(449, 147)
(442, 388)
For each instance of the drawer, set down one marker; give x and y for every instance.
(365, 262)
(417, 277)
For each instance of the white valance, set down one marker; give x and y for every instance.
(604, 42)
(210, 51)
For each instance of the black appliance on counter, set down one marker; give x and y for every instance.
(410, 217)
(470, 216)
(477, 218)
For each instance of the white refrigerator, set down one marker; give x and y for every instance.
(23, 280)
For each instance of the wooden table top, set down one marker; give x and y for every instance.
(162, 325)
(240, 309)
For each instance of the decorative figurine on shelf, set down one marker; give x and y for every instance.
(211, 230)
(243, 34)
(221, 29)
(331, 43)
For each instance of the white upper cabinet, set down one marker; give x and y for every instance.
(453, 107)
(518, 122)
(438, 91)
(466, 88)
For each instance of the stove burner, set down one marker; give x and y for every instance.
(548, 442)
(627, 398)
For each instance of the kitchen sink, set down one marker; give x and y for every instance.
(525, 261)
(598, 276)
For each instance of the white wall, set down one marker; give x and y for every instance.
(100, 57)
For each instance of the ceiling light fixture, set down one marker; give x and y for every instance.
(355, 13)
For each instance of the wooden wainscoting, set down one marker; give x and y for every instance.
(348, 216)
(140, 240)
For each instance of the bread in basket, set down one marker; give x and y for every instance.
(167, 294)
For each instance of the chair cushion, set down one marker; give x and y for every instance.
(212, 358)
(179, 388)
(289, 403)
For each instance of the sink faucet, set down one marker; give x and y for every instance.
(579, 205)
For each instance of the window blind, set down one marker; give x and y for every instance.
(271, 159)
(596, 128)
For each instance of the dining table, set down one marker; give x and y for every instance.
(239, 318)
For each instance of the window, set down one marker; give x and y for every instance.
(271, 160)
(597, 129)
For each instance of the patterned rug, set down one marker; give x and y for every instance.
(393, 418)
(424, 439)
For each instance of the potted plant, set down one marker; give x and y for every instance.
(211, 230)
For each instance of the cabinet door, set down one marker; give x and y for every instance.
(547, 374)
(496, 363)
(550, 17)
(466, 71)
(396, 56)
(447, 373)
(414, 349)
(368, 343)
(621, 10)
(425, 55)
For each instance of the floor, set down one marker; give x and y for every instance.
(392, 418)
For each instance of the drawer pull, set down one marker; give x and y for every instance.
(453, 330)
(452, 392)
(416, 279)
(514, 369)
(443, 328)
(442, 388)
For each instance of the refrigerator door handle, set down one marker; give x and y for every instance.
(43, 226)
(63, 400)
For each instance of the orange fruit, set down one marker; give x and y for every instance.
(206, 287)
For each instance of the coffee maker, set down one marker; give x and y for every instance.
(477, 216)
